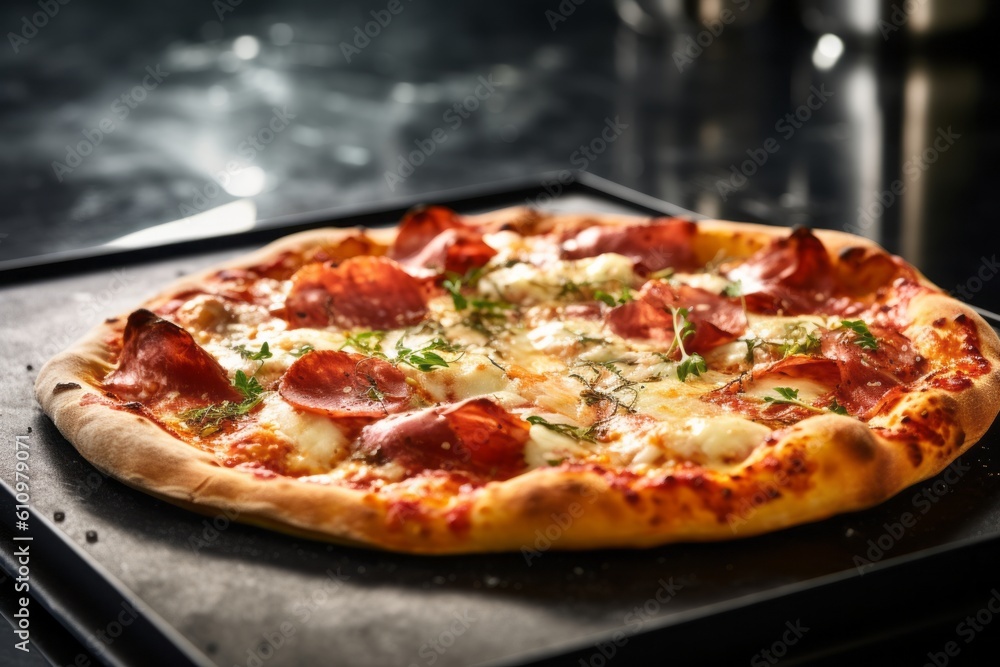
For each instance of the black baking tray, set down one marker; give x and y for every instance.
(236, 595)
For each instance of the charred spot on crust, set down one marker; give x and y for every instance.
(859, 448)
(65, 386)
(914, 453)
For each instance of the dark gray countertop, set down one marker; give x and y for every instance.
(347, 116)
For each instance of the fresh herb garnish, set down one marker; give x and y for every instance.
(789, 396)
(624, 297)
(837, 408)
(568, 430)
(425, 358)
(261, 355)
(210, 416)
(733, 289)
(799, 340)
(752, 344)
(305, 349)
(454, 283)
(864, 337)
(690, 364)
(623, 393)
(366, 342)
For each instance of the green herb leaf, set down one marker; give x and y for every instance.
(691, 365)
(248, 386)
(567, 430)
(789, 396)
(837, 408)
(305, 349)
(752, 344)
(264, 353)
(606, 298)
(864, 337)
(366, 342)
(733, 289)
(454, 288)
(425, 359)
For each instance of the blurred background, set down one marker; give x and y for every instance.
(875, 117)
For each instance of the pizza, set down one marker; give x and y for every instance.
(500, 381)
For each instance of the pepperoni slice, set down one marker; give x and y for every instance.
(340, 384)
(896, 355)
(369, 292)
(161, 361)
(861, 380)
(716, 319)
(435, 238)
(733, 396)
(476, 436)
(793, 275)
(661, 243)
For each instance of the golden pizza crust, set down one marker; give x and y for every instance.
(821, 466)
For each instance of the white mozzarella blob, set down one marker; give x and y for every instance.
(717, 441)
(319, 444)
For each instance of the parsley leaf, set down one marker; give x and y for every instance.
(789, 396)
(612, 300)
(567, 430)
(864, 337)
(733, 289)
(210, 416)
(690, 364)
(837, 408)
(454, 287)
(248, 386)
(264, 353)
(366, 342)
(425, 358)
(752, 344)
(454, 284)
(305, 349)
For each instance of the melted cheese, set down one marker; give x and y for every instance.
(318, 441)
(553, 362)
